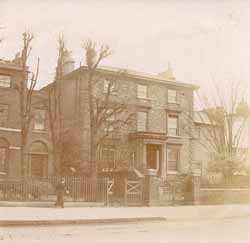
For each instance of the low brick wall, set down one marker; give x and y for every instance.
(224, 195)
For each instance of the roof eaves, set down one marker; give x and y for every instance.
(141, 76)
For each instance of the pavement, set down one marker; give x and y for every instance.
(21, 216)
(209, 231)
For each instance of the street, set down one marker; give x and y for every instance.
(217, 231)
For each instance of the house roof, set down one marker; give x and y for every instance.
(136, 75)
(9, 65)
(201, 117)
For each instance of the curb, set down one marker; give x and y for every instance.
(78, 221)
(49, 204)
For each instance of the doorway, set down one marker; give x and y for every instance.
(153, 156)
(38, 160)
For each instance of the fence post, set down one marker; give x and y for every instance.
(151, 189)
(196, 189)
(126, 192)
(107, 192)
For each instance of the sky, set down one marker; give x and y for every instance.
(203, 40)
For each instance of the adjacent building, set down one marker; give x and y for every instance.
(38, 150)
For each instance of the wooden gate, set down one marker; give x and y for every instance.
(110, 191)
(133, 193)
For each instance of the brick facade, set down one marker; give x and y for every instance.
(10, 131)
(155, 137)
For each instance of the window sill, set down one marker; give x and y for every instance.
(173, 103)
(111, 93)
(9, 129)
(172, 172)
(173, 136)
(144, 98)
(39, 131)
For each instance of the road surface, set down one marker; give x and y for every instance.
(228, 231)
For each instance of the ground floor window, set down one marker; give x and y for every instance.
(3, 155)
(173, 155)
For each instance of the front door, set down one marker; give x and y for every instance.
(38, 165)
(153, 156)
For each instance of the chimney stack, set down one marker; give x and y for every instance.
(68, 63)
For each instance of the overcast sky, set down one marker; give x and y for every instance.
(199, 38)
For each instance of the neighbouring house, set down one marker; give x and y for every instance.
(209, 135)
(38, 150)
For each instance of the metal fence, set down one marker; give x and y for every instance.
(77, 189)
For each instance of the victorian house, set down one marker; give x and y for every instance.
(157, 140)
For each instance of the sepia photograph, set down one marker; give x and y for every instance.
(124, 121)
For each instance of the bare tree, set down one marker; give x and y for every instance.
(106, 115)
(25, 89)
(51, 100)
(224, 115)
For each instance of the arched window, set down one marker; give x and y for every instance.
(38, 148)
(4, 145)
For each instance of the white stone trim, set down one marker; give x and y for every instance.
(17, 148)
(8, 129)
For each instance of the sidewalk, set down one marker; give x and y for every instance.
(95, 215)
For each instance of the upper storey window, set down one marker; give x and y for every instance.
(172, 96)
(142, 91)
(39, 120)
(5, 81)
(3, 114)
(109, 87)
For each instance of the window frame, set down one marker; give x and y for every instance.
(4, 82)
(177, 134)
(113, 88)
(4, 145)
(176, 96)
(177, 161)
(145, 92)
(35, 120)
(4, 124)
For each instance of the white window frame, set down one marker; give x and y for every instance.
(142, 121)
(4, 122)
(106, 84)
(142, 91)
(40, 126)
(4, 159)
(5, 81)
(170, 129)
(172, 96)
(177, 150)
